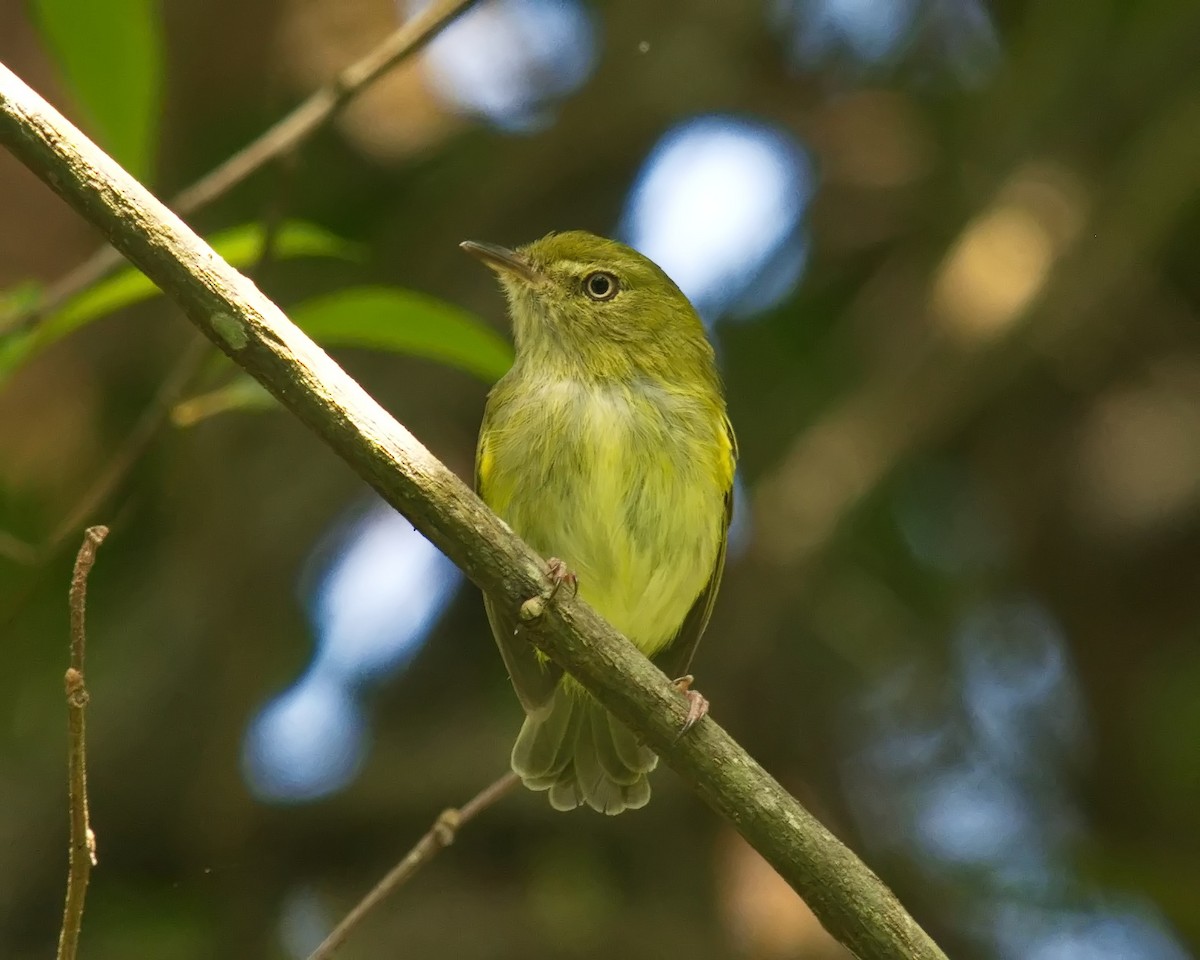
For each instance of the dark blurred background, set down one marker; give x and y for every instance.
(948, 250)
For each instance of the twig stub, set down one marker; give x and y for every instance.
(439, 836)
(82, 851)
(92, 538)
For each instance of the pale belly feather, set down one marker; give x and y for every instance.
(632, 504)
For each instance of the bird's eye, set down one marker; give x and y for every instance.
(600, 285)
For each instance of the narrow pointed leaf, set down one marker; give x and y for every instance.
(239, 246)
(404, 321)
(110, 56)
(375, 318)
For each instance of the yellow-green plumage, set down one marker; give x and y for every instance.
(606, 446)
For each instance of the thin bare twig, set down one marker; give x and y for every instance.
(83, 841)
(439, 836)
(275, 212)
(135, 444)
(283, 138)
(110, 477)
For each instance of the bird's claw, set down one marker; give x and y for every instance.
(558, 573)
(697, 703)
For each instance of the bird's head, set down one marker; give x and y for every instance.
(597, 304)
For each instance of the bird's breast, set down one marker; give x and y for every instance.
(623, 483)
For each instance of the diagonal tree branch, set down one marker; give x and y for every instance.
(852, 903)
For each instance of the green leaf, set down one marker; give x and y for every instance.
(17, 302)
(404, 321)
(110, 54)
(375, 318)
(240, 246)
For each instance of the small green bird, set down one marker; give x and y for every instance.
(607, 447)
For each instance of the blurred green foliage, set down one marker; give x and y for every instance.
(110, 53)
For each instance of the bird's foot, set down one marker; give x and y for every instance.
(558, 573)
(697, 703)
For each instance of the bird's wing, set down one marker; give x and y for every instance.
(533, 677)
(677, 657)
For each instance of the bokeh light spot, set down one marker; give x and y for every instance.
(1001, 262)
(303, 922)
(1106, 931)
(379, 592)
(741, 527)
(306, 743)
(510, 60)
(1017, 684)
(957, 35)
(379, 596)
(970, 815)
(718, 205)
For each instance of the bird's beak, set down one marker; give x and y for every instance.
(501, 259)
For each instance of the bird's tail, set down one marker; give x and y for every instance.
(575, 749)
